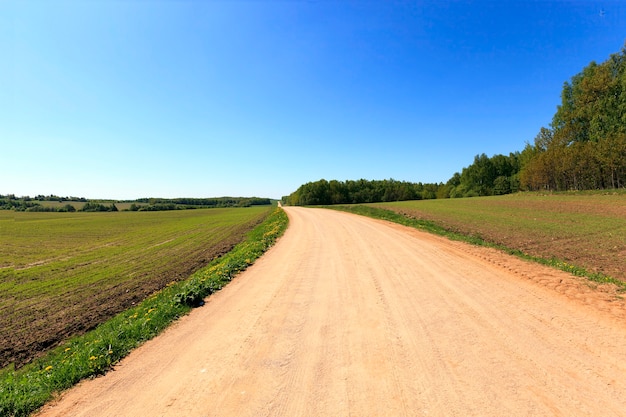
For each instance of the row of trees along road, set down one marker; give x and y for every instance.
(584, 148)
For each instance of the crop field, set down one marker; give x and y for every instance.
(586, 230)
(61, 274)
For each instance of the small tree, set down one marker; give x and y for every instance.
(501, 185)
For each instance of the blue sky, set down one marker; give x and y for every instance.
(128, 99)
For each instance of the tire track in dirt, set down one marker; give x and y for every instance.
(348, 316)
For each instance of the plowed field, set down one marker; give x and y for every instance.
(62, 274)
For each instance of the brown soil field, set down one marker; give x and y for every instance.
(33, 321)
(588, 231)
(77, 313)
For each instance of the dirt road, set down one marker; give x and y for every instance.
(347, 316)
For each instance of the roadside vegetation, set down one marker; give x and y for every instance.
(61, 274)
(581, 233)
(24, 390)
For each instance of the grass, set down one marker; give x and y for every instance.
(78, 205)
(24, 390)
(584, 234)
(61, 274)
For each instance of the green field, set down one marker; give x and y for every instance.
(78, 205)
(63, 273)
(586, 230)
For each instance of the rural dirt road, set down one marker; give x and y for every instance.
(348, 316)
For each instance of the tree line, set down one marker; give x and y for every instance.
(34, 204)
(206, 202)
(26, 203)
(10, 202)
(361, 191)
(583, 148)
(585, 145)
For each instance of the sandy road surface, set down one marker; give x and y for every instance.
(348, 316)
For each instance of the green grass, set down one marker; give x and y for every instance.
(584, 234)
(25, 390)
(63, 273)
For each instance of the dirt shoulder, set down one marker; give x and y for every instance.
(357, 317)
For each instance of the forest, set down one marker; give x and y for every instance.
(584, 148)
(361, 191)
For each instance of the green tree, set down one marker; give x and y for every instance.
(585, 147)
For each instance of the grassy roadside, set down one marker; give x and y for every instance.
(27, 389)
(433, 227)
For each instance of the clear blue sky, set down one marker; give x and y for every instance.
(129, 99)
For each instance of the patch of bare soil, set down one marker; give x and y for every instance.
(348, 316)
